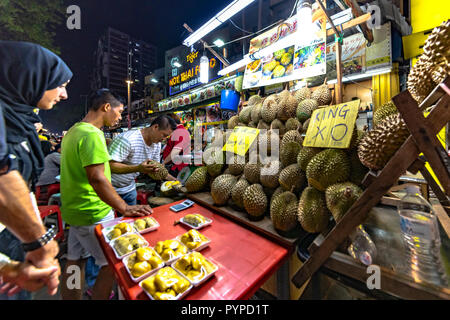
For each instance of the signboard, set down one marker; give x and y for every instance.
(240, 140)
(183, 69)
(357, 58)
(332, 127)
(303, 57)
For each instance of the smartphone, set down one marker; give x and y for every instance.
(182, 206)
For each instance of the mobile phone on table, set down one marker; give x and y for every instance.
(182, 206)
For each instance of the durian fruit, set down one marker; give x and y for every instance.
(283, 213)
(305, 109)
(313, 214)
(256, 113)
(283, 95)
(252, 172)
(245, 115)
(322, 94)
(159, 175)
(252, 125)
(277, 192)
(305, 155)
(288, 107)
(263, 125)
(268, 139)
(221, 188)
(198, 180)
(356, 138)
(292, 176)
(254, 100)
(383, 112)
(302, 94)
(380, 144)
(233, 122)
(270, 173)
(269, 109)
(358, 170)
(292, 135)
(340, 197)
(293, 124)
(237, 192)
(236, 164)
(255, 202)
(328, 167)
(214, 160)
(305, 125)
(289, 152)
(278, 124)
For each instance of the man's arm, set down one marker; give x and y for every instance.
(122, 168)
(18, 215)
(107, 193)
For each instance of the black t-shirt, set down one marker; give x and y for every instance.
(3, 145)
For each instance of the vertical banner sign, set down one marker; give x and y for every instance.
(332, 127)
(303, 57)
(240, 140)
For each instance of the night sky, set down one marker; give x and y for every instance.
(159, 22)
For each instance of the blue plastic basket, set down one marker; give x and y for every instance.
(229, 100)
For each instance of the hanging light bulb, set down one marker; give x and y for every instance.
(204, 69)
(305, 29)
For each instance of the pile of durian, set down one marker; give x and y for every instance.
(303, 187)
(433, 65)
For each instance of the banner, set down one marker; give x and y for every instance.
(304, 55)
(332, 127)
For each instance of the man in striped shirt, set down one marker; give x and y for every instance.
(130, 152)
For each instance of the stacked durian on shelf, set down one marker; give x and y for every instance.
(288, 182)
(433, 66)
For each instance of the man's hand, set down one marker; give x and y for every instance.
(45, 258)
(17, 276)
(148, 167)
(137, 211)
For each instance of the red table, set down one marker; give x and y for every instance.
(245, 259)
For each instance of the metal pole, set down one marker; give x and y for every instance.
(129, 105)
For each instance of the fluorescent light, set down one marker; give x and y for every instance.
(204, 69)
(368, 74)
(219, 43)
(217, 20)
(154, 80)
(304, 17)
(177, 64)
(235, 66)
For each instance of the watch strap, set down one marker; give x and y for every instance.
(42, 241)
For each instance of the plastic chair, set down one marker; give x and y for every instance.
(43, 193)
(45, 211)
(142, 196)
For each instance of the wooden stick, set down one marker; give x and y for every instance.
(425, 140)
(352, 23)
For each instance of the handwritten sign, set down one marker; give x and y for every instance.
(240, 140)
(332, 127)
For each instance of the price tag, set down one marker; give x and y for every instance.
(332, 127)
(240, 140)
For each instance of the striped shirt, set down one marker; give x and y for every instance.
(130, 148)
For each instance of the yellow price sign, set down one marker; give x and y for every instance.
(332, 127)
(240, 140)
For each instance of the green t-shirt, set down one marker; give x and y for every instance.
(83, 145)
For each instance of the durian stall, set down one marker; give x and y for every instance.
(308, 196)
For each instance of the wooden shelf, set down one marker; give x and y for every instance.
(263, 227)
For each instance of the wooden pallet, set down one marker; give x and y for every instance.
(422, 140)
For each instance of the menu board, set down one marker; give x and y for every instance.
(304, 55)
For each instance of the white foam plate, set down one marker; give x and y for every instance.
(106, 229)
(207, 223)
(178, 297)
(175, 258)
(156, 226)
(202, 246)
(117, 254)
(197, 282)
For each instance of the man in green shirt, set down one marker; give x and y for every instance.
(87, 196)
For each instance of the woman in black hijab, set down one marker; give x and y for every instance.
(30, 77)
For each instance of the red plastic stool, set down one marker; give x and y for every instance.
(43, 193)
(48, 210)
(142, 196)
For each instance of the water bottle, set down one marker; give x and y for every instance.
(420, 233)
(362, 248)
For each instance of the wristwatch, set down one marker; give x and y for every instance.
(42, 241)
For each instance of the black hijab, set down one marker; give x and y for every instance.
(27, 70)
